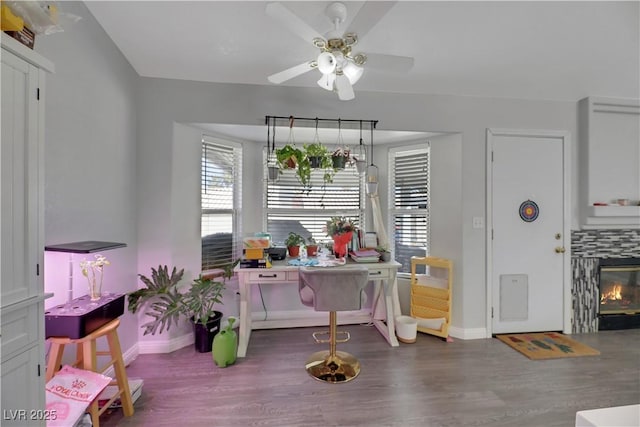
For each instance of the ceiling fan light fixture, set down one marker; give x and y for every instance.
(344, 88)
(326, 63)
(327, 81)
(352, 71)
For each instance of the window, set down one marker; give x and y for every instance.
(291, 208)
(221, 183)
(409, 203)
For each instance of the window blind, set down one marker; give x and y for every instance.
(409, 203)
(292, 208)
(221, 181)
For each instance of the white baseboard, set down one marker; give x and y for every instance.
(468, 333)
(167, 346)
(320, 319)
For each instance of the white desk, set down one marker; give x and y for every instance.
(383, 274)
(618, 416)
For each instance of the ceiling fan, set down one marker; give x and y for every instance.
(340, 67)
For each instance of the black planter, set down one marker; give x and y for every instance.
(338, 162)
(315, 161)
(204, 334)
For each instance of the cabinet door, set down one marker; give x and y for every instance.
(20, 209)
(20, 405)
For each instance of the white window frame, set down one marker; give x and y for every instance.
(393, 211)
(236, 227)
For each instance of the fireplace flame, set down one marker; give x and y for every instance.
(614, 293)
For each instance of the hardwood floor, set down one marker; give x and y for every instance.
(429, 383)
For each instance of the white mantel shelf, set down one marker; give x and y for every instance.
(613, 217)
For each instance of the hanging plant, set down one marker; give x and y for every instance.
(318, 155)
(288, 156)
(340, 157)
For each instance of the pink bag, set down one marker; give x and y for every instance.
(70, 392)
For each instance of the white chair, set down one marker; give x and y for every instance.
(332, 290)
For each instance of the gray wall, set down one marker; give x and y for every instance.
(117, 169)
(165, 102)
(90, 158)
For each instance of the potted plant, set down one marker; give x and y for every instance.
(312, 247)
(166, 303)
(340, 157)
(385, 254)
(318, 155)
(340, 229)
(288, 156)
(291, 157)
(293, 243)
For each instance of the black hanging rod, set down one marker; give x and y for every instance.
(267, 120)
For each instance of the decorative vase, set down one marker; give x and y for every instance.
(274, 171)
(95, 284)
(340, 242)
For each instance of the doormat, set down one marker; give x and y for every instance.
(546, 345)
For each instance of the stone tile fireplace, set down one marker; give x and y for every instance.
(615, 250)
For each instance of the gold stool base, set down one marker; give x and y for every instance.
(340, 368)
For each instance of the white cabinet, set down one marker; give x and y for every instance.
(21, 229)
(609, 156)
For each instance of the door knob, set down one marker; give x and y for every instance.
(559, 250)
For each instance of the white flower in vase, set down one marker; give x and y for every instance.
(92, 270)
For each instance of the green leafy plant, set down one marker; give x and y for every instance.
(341, 157)
(320, 152)
(312, 246)
(165, 303)
(289, 156)
(339, 225)
(294, 239)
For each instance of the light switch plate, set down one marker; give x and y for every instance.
(478, 222)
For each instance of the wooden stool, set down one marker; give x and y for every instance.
(87, 359)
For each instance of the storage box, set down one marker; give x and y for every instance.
(82, 316)
(256, 242)
(24, 36)
(253, 253)
(10, 22)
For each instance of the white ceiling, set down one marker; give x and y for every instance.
(531, 50)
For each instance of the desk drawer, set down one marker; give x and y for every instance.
(378, 274)
(268, 276)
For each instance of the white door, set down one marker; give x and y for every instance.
(19, 169)
(527, 236)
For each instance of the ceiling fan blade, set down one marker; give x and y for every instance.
(292, 72)
(368, 16)
(292, 21)
(388, 63)
(344, 88)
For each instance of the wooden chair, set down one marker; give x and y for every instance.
(86, 358)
